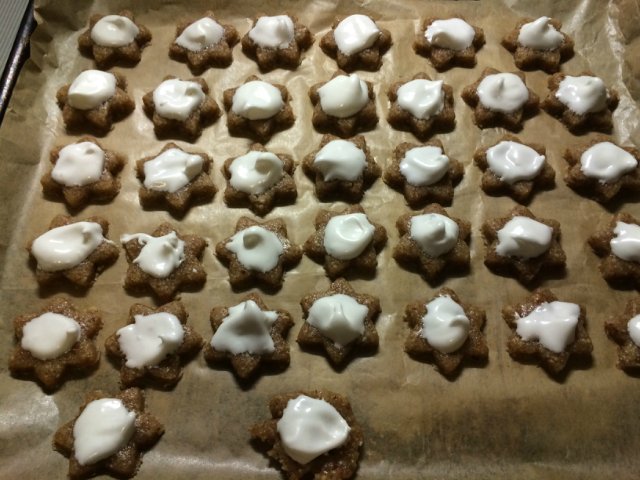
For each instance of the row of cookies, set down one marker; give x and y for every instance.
(355, 42)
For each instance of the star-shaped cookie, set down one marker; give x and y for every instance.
(168, 371)
(619, 328)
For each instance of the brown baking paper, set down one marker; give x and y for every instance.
(503, 420)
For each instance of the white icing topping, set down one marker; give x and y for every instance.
(540, 35)
(65, 247)
(552, 324)
(50, 335)
(256, 248)
(339, 317)
(445, 325)
(422, 98)
(310, 427)
(523, 237)
(150, 339)
(343, 96)
(104, 427)
(340, 160)
(355, 33)
(246, 329)
(273, 32)
(177, 99)
(257, 100)
(583, 94)
(256, 172)
(114, 31)
(79, 164)
(502, 92)
(435, 234)
(452, 33)
(607, 162)
(346, 236)
(423, 166)
(91, 89)
(633, 327)
(201, 35)
(159, 256)
(626, 241)
(171, 170)
(513, 162)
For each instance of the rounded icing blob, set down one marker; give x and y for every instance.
(256, 248)
(339, 317)
(343, 96)
(452, 33)
(177, 99)
(79, 164)
(310, 427)
(67, 246)
(583, 94)
(540, 35)
(50, 335)
(346, 236)
(91, 89)
(257, 100)
(625, 243)
(423, 166)
(445, 325)
(273, 32)
(502, 92)
(435, 234)
(104, 427)
(513, 162)
(633, 327)
(171, 170)
(607, 162)
(422, 98)
(150, 339)
(159, 256)
(523, 237)
(256, 172)
(201, 35)
(552, 324)
(340, 160)
(355, 33)
(246, 329)
(114, 31)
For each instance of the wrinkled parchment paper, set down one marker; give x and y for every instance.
(505, 420)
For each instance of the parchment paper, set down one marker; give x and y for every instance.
(505, 420)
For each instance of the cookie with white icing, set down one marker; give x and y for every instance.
(539, 44)
(276, 42)
(356, 42)
(258, 109)
(423, 173)
(180, 108)
(175, 178)
(582, 103)
(83, 172)
(203, 43)
(153, 346)
(547, 331)
(500, 100)
(341, 169)
(421, 106)
(449, 42)
(94, 101)
(258, 254)
(114, 40)
(164, 262)
(624, 330)
(445, 331)
(259, 180)
(344, 105)
(511, 167)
